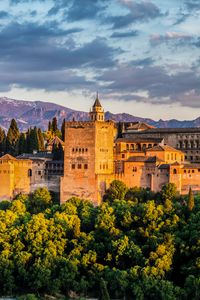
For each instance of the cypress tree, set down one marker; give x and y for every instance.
(33, 143)
(54, 125)
(49, 126)
(40, 140)
(22, 143)
(2, 141)
(57, 151)
(63, 130)
(12, 138)
(190, 200)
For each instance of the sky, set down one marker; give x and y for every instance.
(143, 57)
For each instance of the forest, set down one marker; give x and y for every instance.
(135, 245)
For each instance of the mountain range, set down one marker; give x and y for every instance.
(38, 113)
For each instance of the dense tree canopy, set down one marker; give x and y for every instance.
(133, 247)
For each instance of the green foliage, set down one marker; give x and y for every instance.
(39, 200)
(58, 152)
(28, 297)
(136, 248)
(2, 141)
(169, 192)
(104, 290)
(12, 138)
(190, 200)
(63, 130)
(117, 190)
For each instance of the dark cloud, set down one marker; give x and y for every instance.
(181, 18)
(197, 42)
(142, 62)
(192, 5)
(76, 10)
(138, 12)
(127, 34)
(160, 86)
(3, 14)
(46, 50)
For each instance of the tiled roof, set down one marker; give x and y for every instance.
(7, 157)
(162, 148)
(139, 140)
(140, 126)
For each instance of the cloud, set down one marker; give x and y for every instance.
(160, 86)
(3, 14)
(49, 53)
(192, 5)
(179, 37)
(138, 12)
(128, 34)
(76, 10)
(142, 62)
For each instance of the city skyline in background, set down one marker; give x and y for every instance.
(141, 56)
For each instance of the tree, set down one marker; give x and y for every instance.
(190, 200)
(32, 140)
(54, 124)
(63, 130)
(40, 140)
(169, 191)
(117, 190)
(40, 200)
(12, 138)
(104, 290)
(57, 151)
(22, 143)
(49, 126)
(2, 141)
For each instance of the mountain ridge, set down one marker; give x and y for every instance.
(38, 113)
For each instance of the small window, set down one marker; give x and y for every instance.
(79, 166)
(73, 166)
(123, 156)
(39, 172)
(192, 171)
(86, 149)
(29, 173)
(85, 166)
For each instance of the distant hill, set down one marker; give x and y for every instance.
(38, 113)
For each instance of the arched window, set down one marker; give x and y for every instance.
(174, 171)
(29, 172)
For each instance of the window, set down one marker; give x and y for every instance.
(29, 173)
(123, 155)
(85, 166)
(79, 166)
(73, 166)
(39, 172)
(192, 171)
(174, 171)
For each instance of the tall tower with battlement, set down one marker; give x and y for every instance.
(88, 157)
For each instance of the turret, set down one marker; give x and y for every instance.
(97, 112)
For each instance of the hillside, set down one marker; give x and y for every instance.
(31, 113)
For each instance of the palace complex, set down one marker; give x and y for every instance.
(96, 152)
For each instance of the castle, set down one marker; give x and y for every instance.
(97, 151)
(95, 156)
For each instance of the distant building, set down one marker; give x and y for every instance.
(15, 176)
(185, 139)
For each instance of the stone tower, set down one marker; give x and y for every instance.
(88, 157)
(97, 111)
